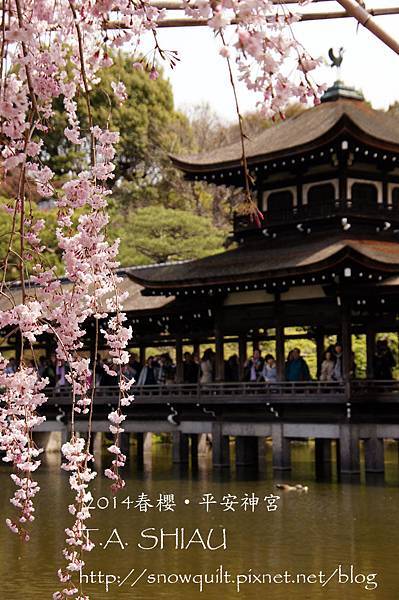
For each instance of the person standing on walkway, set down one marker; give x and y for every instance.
(296, 367)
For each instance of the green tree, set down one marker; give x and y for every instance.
(156, 234)
(50, 258)
(147, 123)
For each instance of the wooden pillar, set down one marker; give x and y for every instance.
(280, 352)
(41, 439)
(18, 348)
(65, 435)
(242, 354)
(203, 443)
(124, 443)
(196, 348)
(346, 340)
(98, 443)
(220, 447)
(247, 451)
(219, 358)
(319, 339)
(85, 435)
(343, 193)
(299, 192)
(142, 354)
(281, 449)
(323, 450)
(261, 453)
(179, 360)
(349, 449)
(322, 456)
(140, 449)
(180, 448)
(374, 455)
(194, 449)
(370, 351)
(385, 190)
(255, 341)
(148, 442)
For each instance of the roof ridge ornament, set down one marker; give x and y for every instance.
(339, 90)
(336, 60)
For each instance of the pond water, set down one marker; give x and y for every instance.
(332, 524)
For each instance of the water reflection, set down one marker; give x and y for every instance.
(346, 523)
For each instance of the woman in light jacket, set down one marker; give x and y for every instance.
(207, 367)
(327, 367)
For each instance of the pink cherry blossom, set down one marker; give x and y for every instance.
(54, 54)
(119, 90)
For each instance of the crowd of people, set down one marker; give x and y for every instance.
(160, 369)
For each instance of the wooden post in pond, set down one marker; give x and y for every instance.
(180, 448)
(349, 456)
(220, 447)
(140, 450)
(322, 457)
(179, 359)
(374, 453)
(124, 443)
(247, 451)
(281, 449)
(194, 449)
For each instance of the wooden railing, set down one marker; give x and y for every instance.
(374, 389)
(342, 208)
(215, 393)
(307, 392)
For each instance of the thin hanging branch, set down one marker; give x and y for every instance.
(250, 206)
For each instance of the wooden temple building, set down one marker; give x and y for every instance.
(326, 257)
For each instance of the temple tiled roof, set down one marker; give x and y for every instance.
(135, 301)
(303, 132)
(264, 260)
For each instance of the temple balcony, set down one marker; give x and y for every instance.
(361, 212)
(357, 391)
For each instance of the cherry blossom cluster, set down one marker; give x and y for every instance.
(78, 464)
(117, 337)
(22, 397)
(53, 51)
(270, 60)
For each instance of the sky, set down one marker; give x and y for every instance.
(201, 76)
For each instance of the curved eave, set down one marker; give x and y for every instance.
(344, 125)
(343, 255)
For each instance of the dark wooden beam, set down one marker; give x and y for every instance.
(280, 351)
(179, 360)
(142, 354)
(346, 339)
(370, 350)
(319, 339)
(242, 354)
(219, 349)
